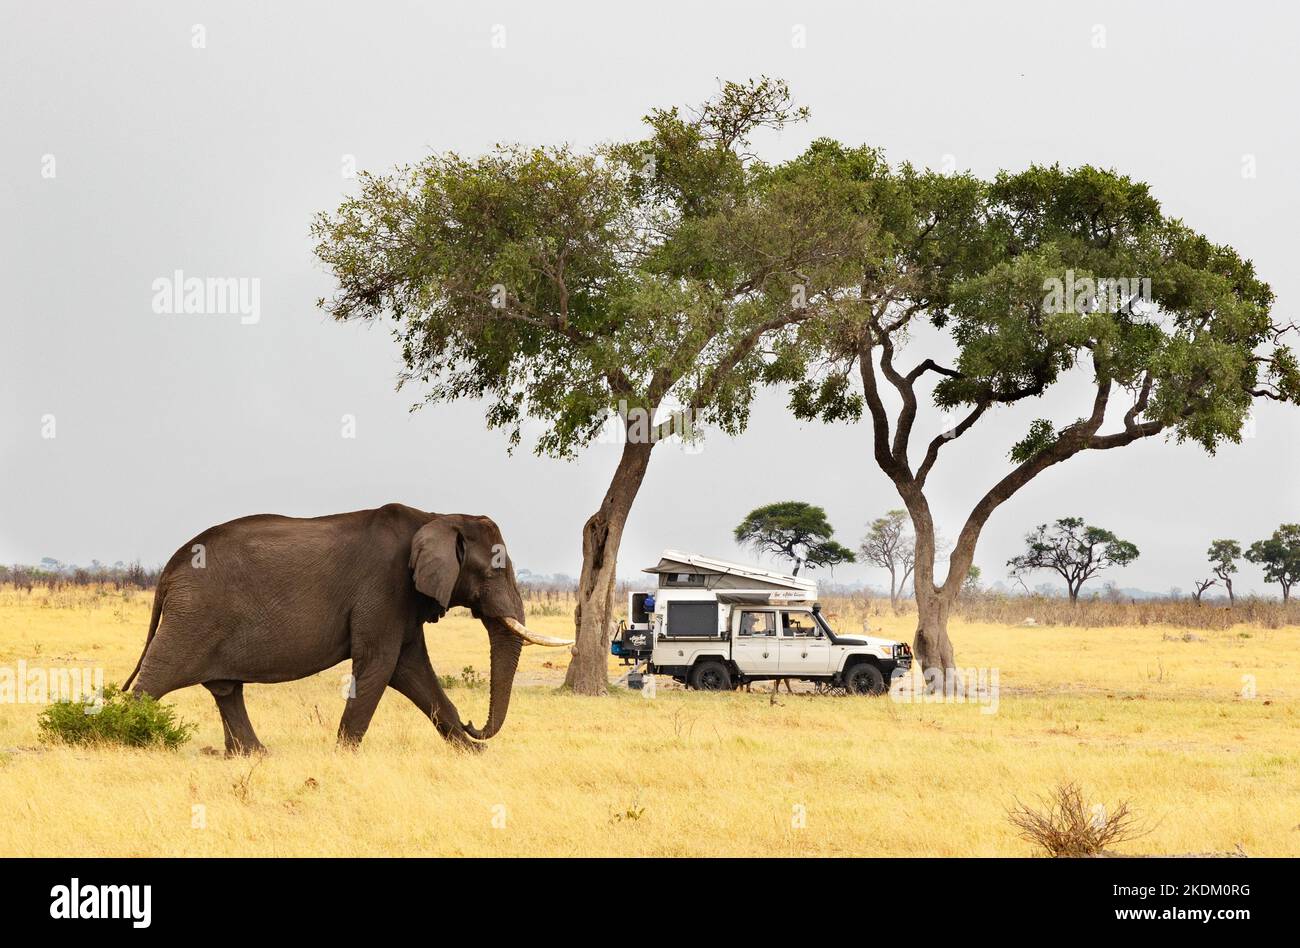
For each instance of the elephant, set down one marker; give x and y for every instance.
(269, 598)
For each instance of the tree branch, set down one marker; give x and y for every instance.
(952, 434)
(898, 473)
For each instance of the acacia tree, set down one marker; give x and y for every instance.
(986, 264)
(1223, 556)
(795, 531)
(1074, 550)
(1280, 557)
(1202, 585)
(890, 545)
(595, 287)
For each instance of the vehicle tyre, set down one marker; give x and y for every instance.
(864, 678)
(710, 676)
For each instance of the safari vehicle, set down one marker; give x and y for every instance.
(714, 626)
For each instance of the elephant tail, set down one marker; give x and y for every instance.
(153, 629)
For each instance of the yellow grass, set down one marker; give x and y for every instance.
(1128, 713)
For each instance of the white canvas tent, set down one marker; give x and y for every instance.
(679, 570)
(695, 594)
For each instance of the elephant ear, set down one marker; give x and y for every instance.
(437, 551)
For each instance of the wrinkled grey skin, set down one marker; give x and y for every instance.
(280, 598)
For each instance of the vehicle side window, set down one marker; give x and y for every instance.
(757, 623)
(800, 624)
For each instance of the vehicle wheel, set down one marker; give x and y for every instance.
(710, 676)
(864, 678)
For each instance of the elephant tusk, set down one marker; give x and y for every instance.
(521, 630)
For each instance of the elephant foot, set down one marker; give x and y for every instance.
(256, 750)
(236, 751)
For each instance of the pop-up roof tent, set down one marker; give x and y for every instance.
(730, 582)
(695, 592)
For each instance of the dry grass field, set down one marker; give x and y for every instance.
(1148, 714)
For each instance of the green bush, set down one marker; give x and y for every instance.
(468, 678)
(122, 718)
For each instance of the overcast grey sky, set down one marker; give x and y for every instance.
(128, 152)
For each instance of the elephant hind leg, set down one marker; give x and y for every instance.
(240, 738)
(167, 663)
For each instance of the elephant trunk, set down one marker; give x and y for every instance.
(506, 646)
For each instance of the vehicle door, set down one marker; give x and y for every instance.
(804, 651)
(754, 641)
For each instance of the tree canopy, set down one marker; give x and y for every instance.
(890, 545)
(795, 531)
(1279, 555)
(1223, 555)
(1073, 549)
(570, 286)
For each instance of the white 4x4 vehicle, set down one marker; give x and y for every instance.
(715, 625)
(767, 642)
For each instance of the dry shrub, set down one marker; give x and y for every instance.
(1090, 613)
(1102, 611)
(1066, 826)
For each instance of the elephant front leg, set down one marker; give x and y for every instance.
(415, 678)
(370, 675)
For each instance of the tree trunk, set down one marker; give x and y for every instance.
(588, 672)
(933, 648)
(1232, 600)
(933, 604)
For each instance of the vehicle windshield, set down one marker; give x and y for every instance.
(821, 621)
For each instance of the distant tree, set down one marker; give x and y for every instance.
(972, 584)
(1202, 585)
(889, 544)
(1223, 556)
(1280, 557)
(1076, 551)
(794, 531)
